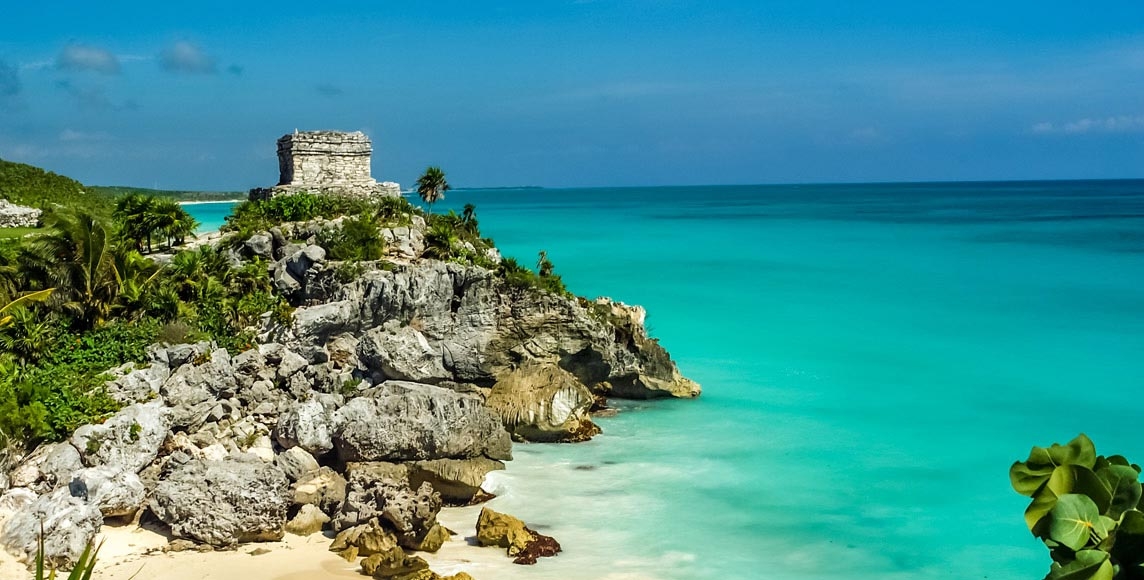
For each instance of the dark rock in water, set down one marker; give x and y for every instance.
(522, 543)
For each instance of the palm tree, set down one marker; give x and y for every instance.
(469, 219)
(431, 186)
(79, 258)
(40, 296)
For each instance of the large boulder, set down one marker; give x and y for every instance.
(296, 463)
(46, 468)
(69, 525)
(114, 491)
(309, 520)
(411, 514)
(223, 503)
(402, 353)
(309, 425)
(324, 488)
(543, 402)
(195, 388)
(457, 480)
(139, 384)
(128, 441)
(405, 421)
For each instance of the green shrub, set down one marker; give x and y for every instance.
(358, 239)
(521, 278)
(1086, 509)
(252, 216)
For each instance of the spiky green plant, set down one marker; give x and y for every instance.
(1086, 508)
(83, 567)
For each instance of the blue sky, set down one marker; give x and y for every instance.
(579, 92)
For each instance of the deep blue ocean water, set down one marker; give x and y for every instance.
(873, 358)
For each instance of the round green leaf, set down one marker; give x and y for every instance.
(1124, 483)
(1076, 521)
(1029, 475)
(1088, 565)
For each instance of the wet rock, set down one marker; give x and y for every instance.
(522, 543)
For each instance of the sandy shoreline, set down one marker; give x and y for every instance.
(129, 550)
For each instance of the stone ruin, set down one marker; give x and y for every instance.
(18, 216)
(326, 162)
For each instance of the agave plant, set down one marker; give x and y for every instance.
(1086, 509)
(83, 567)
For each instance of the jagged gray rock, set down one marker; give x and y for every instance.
(309, 425)
(324, 488)
(225, 502)
(411, 513)
(402, 353)
(114, 491)
(46, 468)
(128, 441)
(139, 384)
(405, 421)
(261, 245)
(296, 462)
(69, 524)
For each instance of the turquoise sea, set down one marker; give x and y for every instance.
(873, 358)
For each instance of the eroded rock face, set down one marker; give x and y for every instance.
(457, 480)
(128, 441)
(69, 524)
(309, 425)
(405, 421)
(540, 402)
(48, 467)
(114, 491)
(223, 503)
(411, 514)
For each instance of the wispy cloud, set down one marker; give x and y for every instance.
(74, 136)
(186, 57)
(328, 90)
(1119, 124)
(80, 57)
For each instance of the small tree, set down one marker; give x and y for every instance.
(431, 186)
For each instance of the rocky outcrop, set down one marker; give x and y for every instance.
(410, 514)
(128, 441)
(539, 402)
(404, 421)
(477, 328)
(223, 503)
(114, 491)
(18, 216)
(69, 525)
(522, 544)
(48, 467)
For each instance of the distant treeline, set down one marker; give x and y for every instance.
(31, 186)
(119, 191)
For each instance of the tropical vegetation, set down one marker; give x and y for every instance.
(431, 186)
(1086, 508)
(81, 295)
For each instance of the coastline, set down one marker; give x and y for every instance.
(209, 202)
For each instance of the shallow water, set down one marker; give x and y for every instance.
(873, 358)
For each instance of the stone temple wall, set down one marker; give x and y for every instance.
(326, 162)
(18, 216)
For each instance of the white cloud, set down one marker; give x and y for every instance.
(187, 57)
(1120, 124)
(81, 57)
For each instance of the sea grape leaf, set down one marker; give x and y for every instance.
(1088, 565)
(1076, 521)
(1029, 475)
(1064, 480)
(1124, 484)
